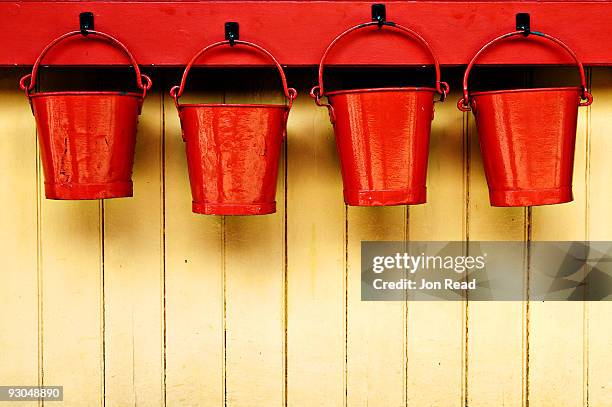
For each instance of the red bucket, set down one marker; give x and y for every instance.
(527, 137)
(382, 135)
(86, 139)
(233, 150)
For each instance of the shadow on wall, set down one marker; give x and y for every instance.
(263, 80)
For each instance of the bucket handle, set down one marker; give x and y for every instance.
(177, 91)
(465, 104)
(32, 77)
(318, 91)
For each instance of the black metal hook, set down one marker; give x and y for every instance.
(379, 14)
(86, 22)
(523, 23)
(232, 32)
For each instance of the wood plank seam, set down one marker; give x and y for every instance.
(285, 282)
(39, 274)
(406, 311)
(587, 216)
(162, 175)
(223, 271)
(345, 300)
(102, 306)
(467, 156)
(526, 309)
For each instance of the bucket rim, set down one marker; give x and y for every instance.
(392, 89)
(234, 105)
(522, 90)
(87, 93)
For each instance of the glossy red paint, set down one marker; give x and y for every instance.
(382, 134)
(527, 137)
(166, 33)
(528, 151)
(86, 143)
(233, 150)
(382, 137)
(87, 139)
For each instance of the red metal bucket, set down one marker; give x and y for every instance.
(87, 139)
(382, 135)
(527, 137)
(233, 150)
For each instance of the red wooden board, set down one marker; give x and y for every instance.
(168, 33)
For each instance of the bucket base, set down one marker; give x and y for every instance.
(531, 197)
(69, 191)
(233, 209)
(387, 197)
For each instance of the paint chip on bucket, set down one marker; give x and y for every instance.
(87, 138)
(233, 150)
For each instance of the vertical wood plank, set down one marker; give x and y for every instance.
(19, 354)
(375, 330)
(316, 260)
(599, 345)
(494, 331)
(551, 321)
(72, 275)
(194, 277)
(435, 329)
(133, 273)
(72, 278)
(254, 269)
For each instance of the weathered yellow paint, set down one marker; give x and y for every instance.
(140, 302)
(19, 300)
(254, 258)
(71, 272)
(495, 344)
(194, 279)
(376, 375)
(133, 275)
(563, 385)
(316, 264)
(435, 344)
(598, 341)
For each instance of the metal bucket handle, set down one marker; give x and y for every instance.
(143, 85)
(177, 91)
(465, 103)
(319, 91)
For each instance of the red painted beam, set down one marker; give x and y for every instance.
(296, 32)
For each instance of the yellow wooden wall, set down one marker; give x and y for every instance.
(139, 302)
